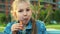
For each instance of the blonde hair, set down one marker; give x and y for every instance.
(14, 9)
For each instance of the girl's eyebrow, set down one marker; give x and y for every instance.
(28, 7)
(19, 9)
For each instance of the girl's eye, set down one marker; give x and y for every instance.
(21, 10)
(27, 9)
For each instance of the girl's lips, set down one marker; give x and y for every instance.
(26, 19)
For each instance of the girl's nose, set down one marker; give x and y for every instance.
(25, 13)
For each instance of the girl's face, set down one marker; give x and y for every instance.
(24, 12)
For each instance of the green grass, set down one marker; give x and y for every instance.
(53, 26)
(2, 24)
(1, 29)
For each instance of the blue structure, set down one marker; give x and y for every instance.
(54, 32)
(48, 32)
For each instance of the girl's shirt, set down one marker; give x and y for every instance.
(40, 28)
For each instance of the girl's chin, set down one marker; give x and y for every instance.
(25, 21)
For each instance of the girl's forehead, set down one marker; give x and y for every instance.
(23, 5)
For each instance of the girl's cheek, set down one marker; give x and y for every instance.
(30, 13)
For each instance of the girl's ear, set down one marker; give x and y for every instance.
(15, 14)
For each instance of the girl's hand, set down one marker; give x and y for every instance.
(17, 26)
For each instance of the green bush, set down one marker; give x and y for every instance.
(2, 17)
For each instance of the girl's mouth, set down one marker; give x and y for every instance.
(25, 19)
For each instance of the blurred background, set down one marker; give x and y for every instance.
(44, 10)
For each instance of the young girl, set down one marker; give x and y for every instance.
(22, 22)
